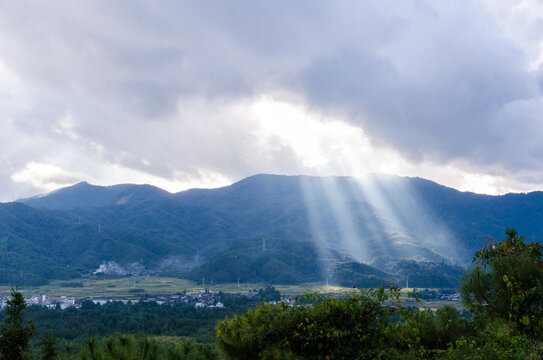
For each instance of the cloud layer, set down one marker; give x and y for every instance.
(183, 94)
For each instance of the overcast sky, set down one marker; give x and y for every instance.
(184, 94)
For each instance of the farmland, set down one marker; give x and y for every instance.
(134, 288)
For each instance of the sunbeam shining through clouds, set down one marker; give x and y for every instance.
(375, 218)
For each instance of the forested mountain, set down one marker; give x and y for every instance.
(84, 195)
(263, 228)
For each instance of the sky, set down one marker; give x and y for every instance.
(183, 94)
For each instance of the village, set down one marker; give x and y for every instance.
(198, 300)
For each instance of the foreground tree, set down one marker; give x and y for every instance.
(48, 346)
(504, 292)
(355, 327)
(129, 347)
(15, 334)
(507, 283)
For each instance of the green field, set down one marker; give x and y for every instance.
(130, 288)
(135, 288)
(117, 288)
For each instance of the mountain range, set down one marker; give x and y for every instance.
(266, 228)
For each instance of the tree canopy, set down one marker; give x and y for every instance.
(15, 333)
(507, 283)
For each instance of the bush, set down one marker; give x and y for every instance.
(507, 283)
(350, 327)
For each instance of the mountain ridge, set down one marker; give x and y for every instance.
(84, 195)
(196, 230)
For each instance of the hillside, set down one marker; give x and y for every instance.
(308, 223)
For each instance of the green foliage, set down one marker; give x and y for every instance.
(129, 347)
(48, 346)
(283, 262)
(497, 341)
(425, 273)
(349, 327)
(504, 292)
(142, 317)
(427, 294)
(38, 245)
(507, 283)
(269, 294)
(367, 325)
(358, 275)
(68, 348)
(428, 330)
(15, 334)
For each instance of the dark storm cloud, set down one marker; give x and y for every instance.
(165, 88)
(441, 85)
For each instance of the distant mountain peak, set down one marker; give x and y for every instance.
(84, 195)
(81, 184)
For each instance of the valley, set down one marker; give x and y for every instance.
(90, 260)
(166, 290)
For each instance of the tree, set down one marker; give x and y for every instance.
(15, 334)
(507, 283)
(68, 347)
(354, 327)
(48, 346)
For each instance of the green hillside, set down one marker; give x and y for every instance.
(307, 222)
